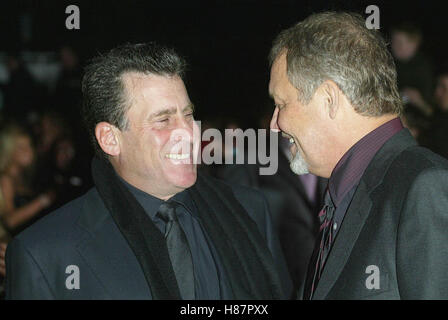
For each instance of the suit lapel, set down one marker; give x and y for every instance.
(359, 210)
(108, 255)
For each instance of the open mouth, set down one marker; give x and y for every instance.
(287, 136)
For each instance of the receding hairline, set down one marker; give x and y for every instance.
(129, 81)
(132, 76)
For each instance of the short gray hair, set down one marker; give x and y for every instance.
(338, 46)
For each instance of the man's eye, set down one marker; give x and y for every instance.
(189, 114)
(163, 120)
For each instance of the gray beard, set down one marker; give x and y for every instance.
(298, 165)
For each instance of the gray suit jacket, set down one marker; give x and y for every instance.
(82, 233)
(393, 241)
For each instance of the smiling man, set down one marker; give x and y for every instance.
(151, 228)
(383, 227)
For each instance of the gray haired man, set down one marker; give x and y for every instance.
(383, 227)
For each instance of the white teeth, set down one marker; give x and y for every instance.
(291, 140)
(177, 156)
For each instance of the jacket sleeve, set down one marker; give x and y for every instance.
(277, 253)
(24, 278)
(422, 250)
(257, 207)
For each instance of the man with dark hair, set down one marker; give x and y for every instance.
(383, 226)
(151, 228)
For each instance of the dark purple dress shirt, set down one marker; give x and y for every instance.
(348, 172)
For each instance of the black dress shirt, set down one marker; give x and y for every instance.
(210, 280)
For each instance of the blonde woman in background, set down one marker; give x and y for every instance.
(18, 203)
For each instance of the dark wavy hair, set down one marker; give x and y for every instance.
(104, 94)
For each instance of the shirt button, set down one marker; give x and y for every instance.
(335, 226)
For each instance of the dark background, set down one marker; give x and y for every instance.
(226, 42)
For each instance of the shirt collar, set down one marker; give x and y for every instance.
(151, 204)
(351, 166)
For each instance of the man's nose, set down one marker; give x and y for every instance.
(274, 125)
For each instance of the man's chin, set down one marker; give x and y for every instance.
(298, 165)
(184, 179)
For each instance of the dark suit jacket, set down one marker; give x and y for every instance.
(83, 233)
(397, 222)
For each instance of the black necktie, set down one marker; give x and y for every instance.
(326, 217)
(178, 250)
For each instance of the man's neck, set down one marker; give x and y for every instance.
(145, 186)
(356, 132)
(147, 189)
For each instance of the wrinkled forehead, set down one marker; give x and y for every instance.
(137, 83)
(153, 89)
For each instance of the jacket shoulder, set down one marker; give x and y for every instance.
(57, 227)
(247, 196)
(412, 168)
(415, 160)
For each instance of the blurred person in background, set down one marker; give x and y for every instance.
(414, 70)
(64, 172)
(441, 92)
(52, 127)
(19, 205)
(67, 95)
(416, 121)
(20, 92)
(69, 80)
(60, 165)
(435, 137)
(212, 122)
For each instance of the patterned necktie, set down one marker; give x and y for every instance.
(178, 250)
(326, 217)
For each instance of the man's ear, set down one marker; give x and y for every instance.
(331, 96)
(107, 137)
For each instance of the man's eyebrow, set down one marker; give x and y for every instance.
(189, 107)
(170, 111)
(164, 112)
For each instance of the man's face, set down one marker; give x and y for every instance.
(156, 151)
(303, 123)
(441, 93)
(403, 47)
